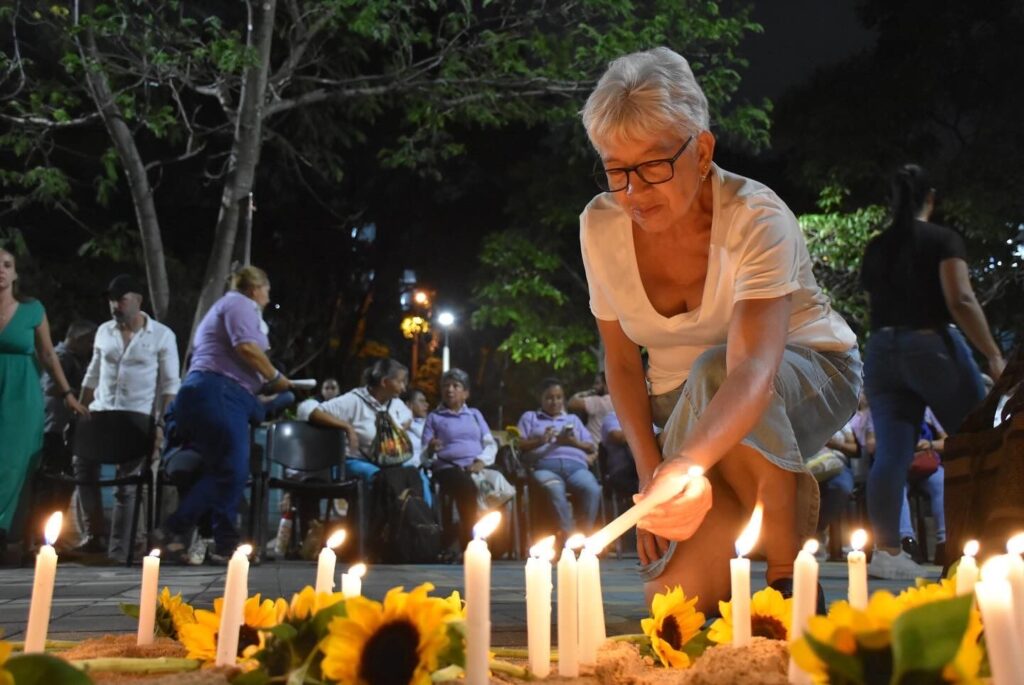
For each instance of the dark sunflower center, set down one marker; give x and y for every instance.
(390, 655)
(247, 636)
(670, 632)
(767, 626)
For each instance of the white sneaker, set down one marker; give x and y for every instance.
(895, 566)
(197, 551)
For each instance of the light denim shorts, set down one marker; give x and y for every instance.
(816, 393)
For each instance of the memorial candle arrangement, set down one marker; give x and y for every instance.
(1002, 640)
(568, 611)
(326, 562)
(967, 569)
(590, 601)
(352, 582)
(1015, 575)
(857, 568)
(236, 590)
(477, 566)
(148, 598)
(538, 606)
(740, 573)
(42, 587)
(805, 601)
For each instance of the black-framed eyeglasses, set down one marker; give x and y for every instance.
(653, 172)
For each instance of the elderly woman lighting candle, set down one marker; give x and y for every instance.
(750, 369)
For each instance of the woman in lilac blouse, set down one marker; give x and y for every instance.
(564, 451)
(459, 443)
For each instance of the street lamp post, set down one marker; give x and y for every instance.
(445, 320)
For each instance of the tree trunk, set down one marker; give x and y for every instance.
(245, 154)
(135, 171)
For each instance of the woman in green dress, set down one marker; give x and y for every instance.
(24, 344)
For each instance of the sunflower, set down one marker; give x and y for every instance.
(175, 607)
(6, 677)
(673, 623)
(200, 638)
(967, 662)
(308, 603)
(394, 643)
(770, 616)
(456, 607)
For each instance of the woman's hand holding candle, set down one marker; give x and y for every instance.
(679, 516)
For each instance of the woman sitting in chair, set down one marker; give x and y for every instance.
(562, 451)
(457, 445)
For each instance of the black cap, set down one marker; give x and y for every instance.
(121, 285)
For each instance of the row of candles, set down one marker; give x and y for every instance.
(998, 587)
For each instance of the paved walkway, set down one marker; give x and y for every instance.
(86, 599)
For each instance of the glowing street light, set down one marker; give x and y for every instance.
(445, 320)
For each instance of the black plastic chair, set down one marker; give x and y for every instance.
(116, 437)
(306, 448)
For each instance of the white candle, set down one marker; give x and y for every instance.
(538, 606)
(967, 569)
(326, 562)
(857, 567)
(805, 602)
(665, 491)
(352, 582)
(1002, 640)
(147, 598)
(42, 588)
(740, 573)
(568, 614)
(591, 605)
(1014, 549)
(233, 610)
(477, 567)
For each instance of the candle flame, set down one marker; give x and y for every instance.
(575, 541)
(811, 546)
(155, 553)
(357, 570)
(244, 550)
(748, 538)
(545, 549)
(487, 525)
(859, 539)
(996, 568)
(52, 529)
(1015, 545)
(337, 537)
(971, 548)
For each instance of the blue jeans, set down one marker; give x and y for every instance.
(835, 496)
(364, 470)
(213, 414)
(557, 476)
(935, 487)
(906, 371)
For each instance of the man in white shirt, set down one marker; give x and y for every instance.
(134, 367)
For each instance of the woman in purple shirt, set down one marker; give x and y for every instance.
(459, 443)
(213, 410)
(564, 451)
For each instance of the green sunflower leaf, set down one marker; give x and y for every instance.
(283, 631)
(129, 609)
(454, 654)
(842, 668)
(697, 645)
(256, 677)
(324, 617)
(926, 638)
(43, 669)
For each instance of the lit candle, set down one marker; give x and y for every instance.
(538, 606)
(325, 564)
(1014, 549)
(233, 609)
(568, 614)
(352, 582)
(1002, 640)
(967, 569)
(477, 566)
(663, 492)
(42, 588)
(147, 597)
(740, 573)
(591, 604)
(857, 566)
(805, 602)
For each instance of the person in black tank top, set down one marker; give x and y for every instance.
(915, 274)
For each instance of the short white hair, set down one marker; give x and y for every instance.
(645, 94)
